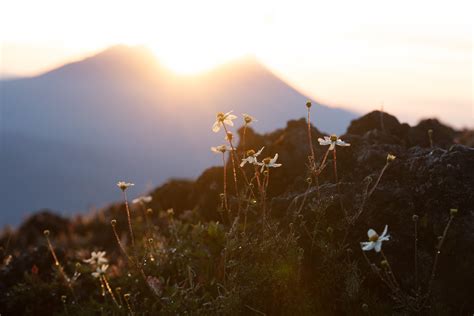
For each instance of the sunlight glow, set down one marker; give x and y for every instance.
(401, 53)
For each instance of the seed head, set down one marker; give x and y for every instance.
(384, 263)
(63, 298)
(267, 160)
(333, 137)
(453, 211)
(365, 308)
(149, 211)
(126, 296)
(415, 217)
(309, 180)
(250, 152)
(430, 132)
(46, 232)
(113, 222)
(308, 104)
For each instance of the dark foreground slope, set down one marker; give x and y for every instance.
(304, 259)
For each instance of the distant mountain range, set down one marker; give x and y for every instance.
(67, 136)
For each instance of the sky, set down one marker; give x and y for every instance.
(414, 58)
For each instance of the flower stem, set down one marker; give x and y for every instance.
(438, 252)
(129, 219)
(225, 182)
(313, 156)
(334, 155)
(60, 267)
(109, 289)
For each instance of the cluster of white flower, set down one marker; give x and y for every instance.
(251, 156)
(99, 262)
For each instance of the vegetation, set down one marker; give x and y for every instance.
(261, 250)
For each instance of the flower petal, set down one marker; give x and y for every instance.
(367, 246)
(378, 246)
(216, 127)
(371, 233)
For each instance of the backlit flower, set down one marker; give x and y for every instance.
(97, 258)
(251, 157)
(269, 163)
(100, 271)
(332, 141)
(142, 200)
(223, 118)
(220, 149)
(248, 119)
(375, 241)
(124, 185)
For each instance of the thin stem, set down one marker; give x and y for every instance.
(313, 156)
(243, 140)
(438, 252)
(391, 274)
(60, 268)
(225, 182)
(119, 242)
(334, 155)
(129, 218)
(416, 257)
(109, 289)
(127, 300)
(378, 179)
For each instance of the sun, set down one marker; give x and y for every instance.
(195, 58)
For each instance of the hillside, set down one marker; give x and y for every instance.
(120, 114)
(294, 251)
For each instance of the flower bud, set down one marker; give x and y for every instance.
(384, 263)
(113, 222)
(365, 308)
(391, 158)
(46, 232)
(309, 180)
(415, 217)
(308, 104)
(453, 211)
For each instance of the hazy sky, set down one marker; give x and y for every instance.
(415, 57)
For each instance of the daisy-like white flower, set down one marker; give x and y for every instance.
(97, 258)
(142, 200)
(375, 241)
(251, 157)
(220, 149)
(124, 185)
(100, 271)
(332, 141)
(223, 118)
(248, 119)
(269, 163)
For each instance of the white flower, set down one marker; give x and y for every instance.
(251, 157)
(124, 185)
(248, 119)
(142, 200)
(100, 271)
(220, 149)
(223, 118)
(269, 163)
(375, 241)
(97, 258)
(332, 141)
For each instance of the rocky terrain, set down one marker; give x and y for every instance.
(433, 173)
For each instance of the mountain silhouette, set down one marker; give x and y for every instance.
(68, 135)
